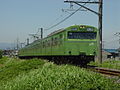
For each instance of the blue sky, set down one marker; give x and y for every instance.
(18, 18)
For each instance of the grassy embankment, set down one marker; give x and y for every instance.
(16, 74)
(112, 64)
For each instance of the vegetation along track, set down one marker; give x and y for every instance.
(105, 71)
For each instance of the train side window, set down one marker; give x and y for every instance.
(48, 43)
(52, 42)
(43, 44)
(61, 36)
(60, 39)
(55, 41)
(40, 44)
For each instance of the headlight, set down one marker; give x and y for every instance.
(90, 29)
(74, 29)
(82, 26)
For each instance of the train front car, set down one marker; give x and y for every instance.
(81, 43)
(76, 44)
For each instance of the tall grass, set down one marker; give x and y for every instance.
(112, 64)
(12, 67)
(41, 75)
(3, 60)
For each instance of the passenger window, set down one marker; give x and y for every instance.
(61, 36)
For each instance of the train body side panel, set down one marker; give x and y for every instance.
(87, 48)
(59, 45)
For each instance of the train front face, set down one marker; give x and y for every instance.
(81, 41)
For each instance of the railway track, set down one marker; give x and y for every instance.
(105, 71)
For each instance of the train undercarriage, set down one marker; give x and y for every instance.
(76, 60)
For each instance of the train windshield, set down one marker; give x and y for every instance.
(82, 35)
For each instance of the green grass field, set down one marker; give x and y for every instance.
(34, 74)
(112, 64)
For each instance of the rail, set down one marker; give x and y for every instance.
(105, 71)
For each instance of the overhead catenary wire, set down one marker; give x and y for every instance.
(108, 43)
(107, 39)
(111, 41)
(60, 16)
(64, 19)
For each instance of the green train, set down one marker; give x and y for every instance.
(76, 44)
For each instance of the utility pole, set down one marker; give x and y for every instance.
(118, 34)
(27, 41)
(41, 33)
(21, 45)
(100, 29)
(17, 47)
(99, 13)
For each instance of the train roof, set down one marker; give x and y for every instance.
(69, 28)
(55, 32)
(59, 31)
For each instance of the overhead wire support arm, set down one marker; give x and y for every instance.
(87, 8)
(81, 2)
(77, 2)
